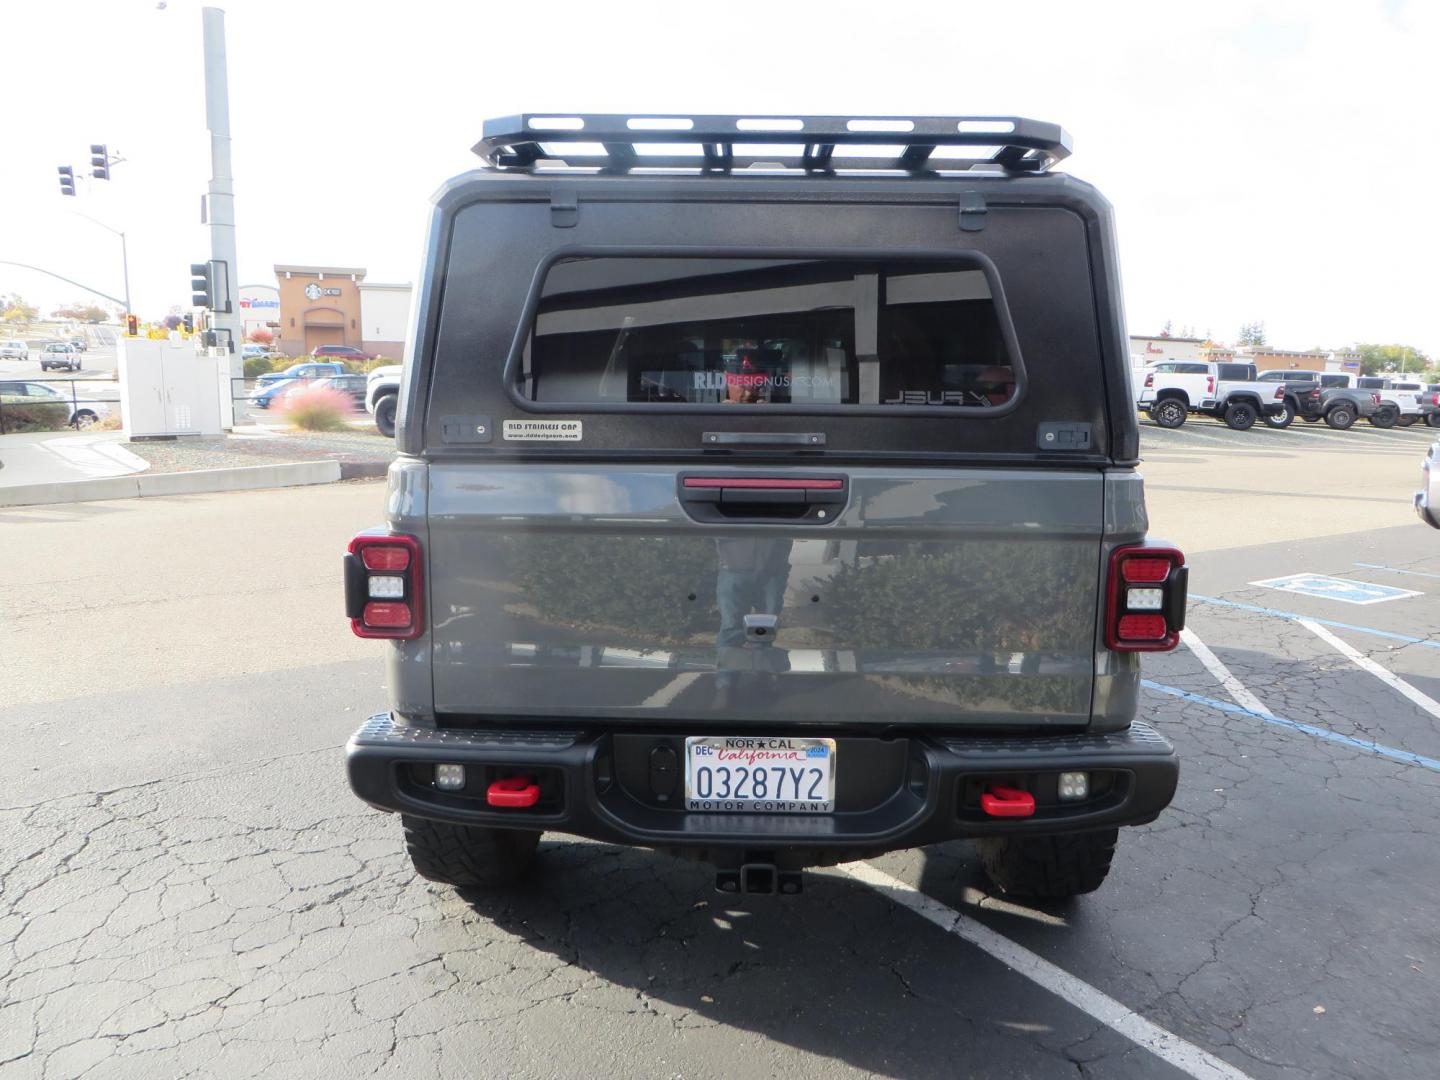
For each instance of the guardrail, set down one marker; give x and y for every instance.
(12, 403)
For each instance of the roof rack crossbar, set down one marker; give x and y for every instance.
(533, 140)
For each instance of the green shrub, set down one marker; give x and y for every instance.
(317, 408)
(15, 417)
(257, 366)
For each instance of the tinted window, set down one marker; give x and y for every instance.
(766, 331)
(1334, 380)
(1241, 372)
(1370, 384)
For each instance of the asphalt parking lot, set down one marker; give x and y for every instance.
(187, 887)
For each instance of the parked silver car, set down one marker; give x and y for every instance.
(14, 350)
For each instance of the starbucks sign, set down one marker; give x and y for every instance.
(315, 292)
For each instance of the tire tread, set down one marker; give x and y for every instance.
(1054, 867)
(467, 856)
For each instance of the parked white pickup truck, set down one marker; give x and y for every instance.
(1172, 389)
(382, 397)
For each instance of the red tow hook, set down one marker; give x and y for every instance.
(1007, 802)
(513, 791)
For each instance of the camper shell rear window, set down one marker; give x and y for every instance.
(768, 333)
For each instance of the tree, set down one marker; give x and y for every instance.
(69, 311)
(93, 313)
(1252, 334)
(261, 336)
(14, 309)
(1165, 330)
(1375, 359)
(172, 322)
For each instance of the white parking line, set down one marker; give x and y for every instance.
(1186, 1057)
(1233, 686)
(1360, 660)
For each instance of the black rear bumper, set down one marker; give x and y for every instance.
(897, 792)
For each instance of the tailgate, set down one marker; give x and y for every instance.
(949, 597)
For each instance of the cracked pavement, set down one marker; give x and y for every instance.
(188, 889)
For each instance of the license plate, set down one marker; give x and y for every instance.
(760, 775)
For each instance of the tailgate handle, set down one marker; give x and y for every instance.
(816, 499)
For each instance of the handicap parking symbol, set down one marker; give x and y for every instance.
(1330, 588)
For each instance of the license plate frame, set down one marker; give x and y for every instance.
(790, 761)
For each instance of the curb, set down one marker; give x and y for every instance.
(150, 485)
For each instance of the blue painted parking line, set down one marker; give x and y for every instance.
(1381, 749)
(1409, 639)
(1333, 588)
(1396, 570)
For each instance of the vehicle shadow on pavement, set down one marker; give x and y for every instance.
(840, 971)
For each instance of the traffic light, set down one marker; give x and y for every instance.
(67, 180)
(189, 322)
(202, 284)
(132, 325)
(99, 161)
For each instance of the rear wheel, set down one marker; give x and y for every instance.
(1048, 866)
(1340, 417)
(1168, 413)
(1240, 416)
(1433, 420)
(385, 415)
(1283, 419)
(1387, 416)
(468, 856)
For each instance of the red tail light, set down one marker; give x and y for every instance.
(1145, 608)
(1279, 392)
(1375, 398)
(383, 586)
(1209, 384)
(1150, 379)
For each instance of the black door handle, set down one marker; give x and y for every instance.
(809, 499)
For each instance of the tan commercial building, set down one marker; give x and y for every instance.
(335, 305)
(319, 305)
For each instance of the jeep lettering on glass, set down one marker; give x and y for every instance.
(730, 331)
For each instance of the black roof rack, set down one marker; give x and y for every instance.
(613, 143)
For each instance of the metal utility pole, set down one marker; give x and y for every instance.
(221, 201)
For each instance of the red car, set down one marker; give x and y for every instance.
(343, 352)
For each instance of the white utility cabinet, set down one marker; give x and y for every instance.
(169, 388)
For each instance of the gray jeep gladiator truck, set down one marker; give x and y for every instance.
(766, 493)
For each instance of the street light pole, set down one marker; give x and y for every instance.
(221, 201)
(124, 253)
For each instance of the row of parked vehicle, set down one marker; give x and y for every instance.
(377, 392)
(1171, 390)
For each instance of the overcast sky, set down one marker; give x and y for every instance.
(1268, 161)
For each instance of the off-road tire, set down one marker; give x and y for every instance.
(1387, 416)
(1407, 421)
(1240, 416)
(1281, 419)
(385, 414)
(1433, 420)
(1340, 417)
(468, 856)
(1048, 867)
(1169, 413)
